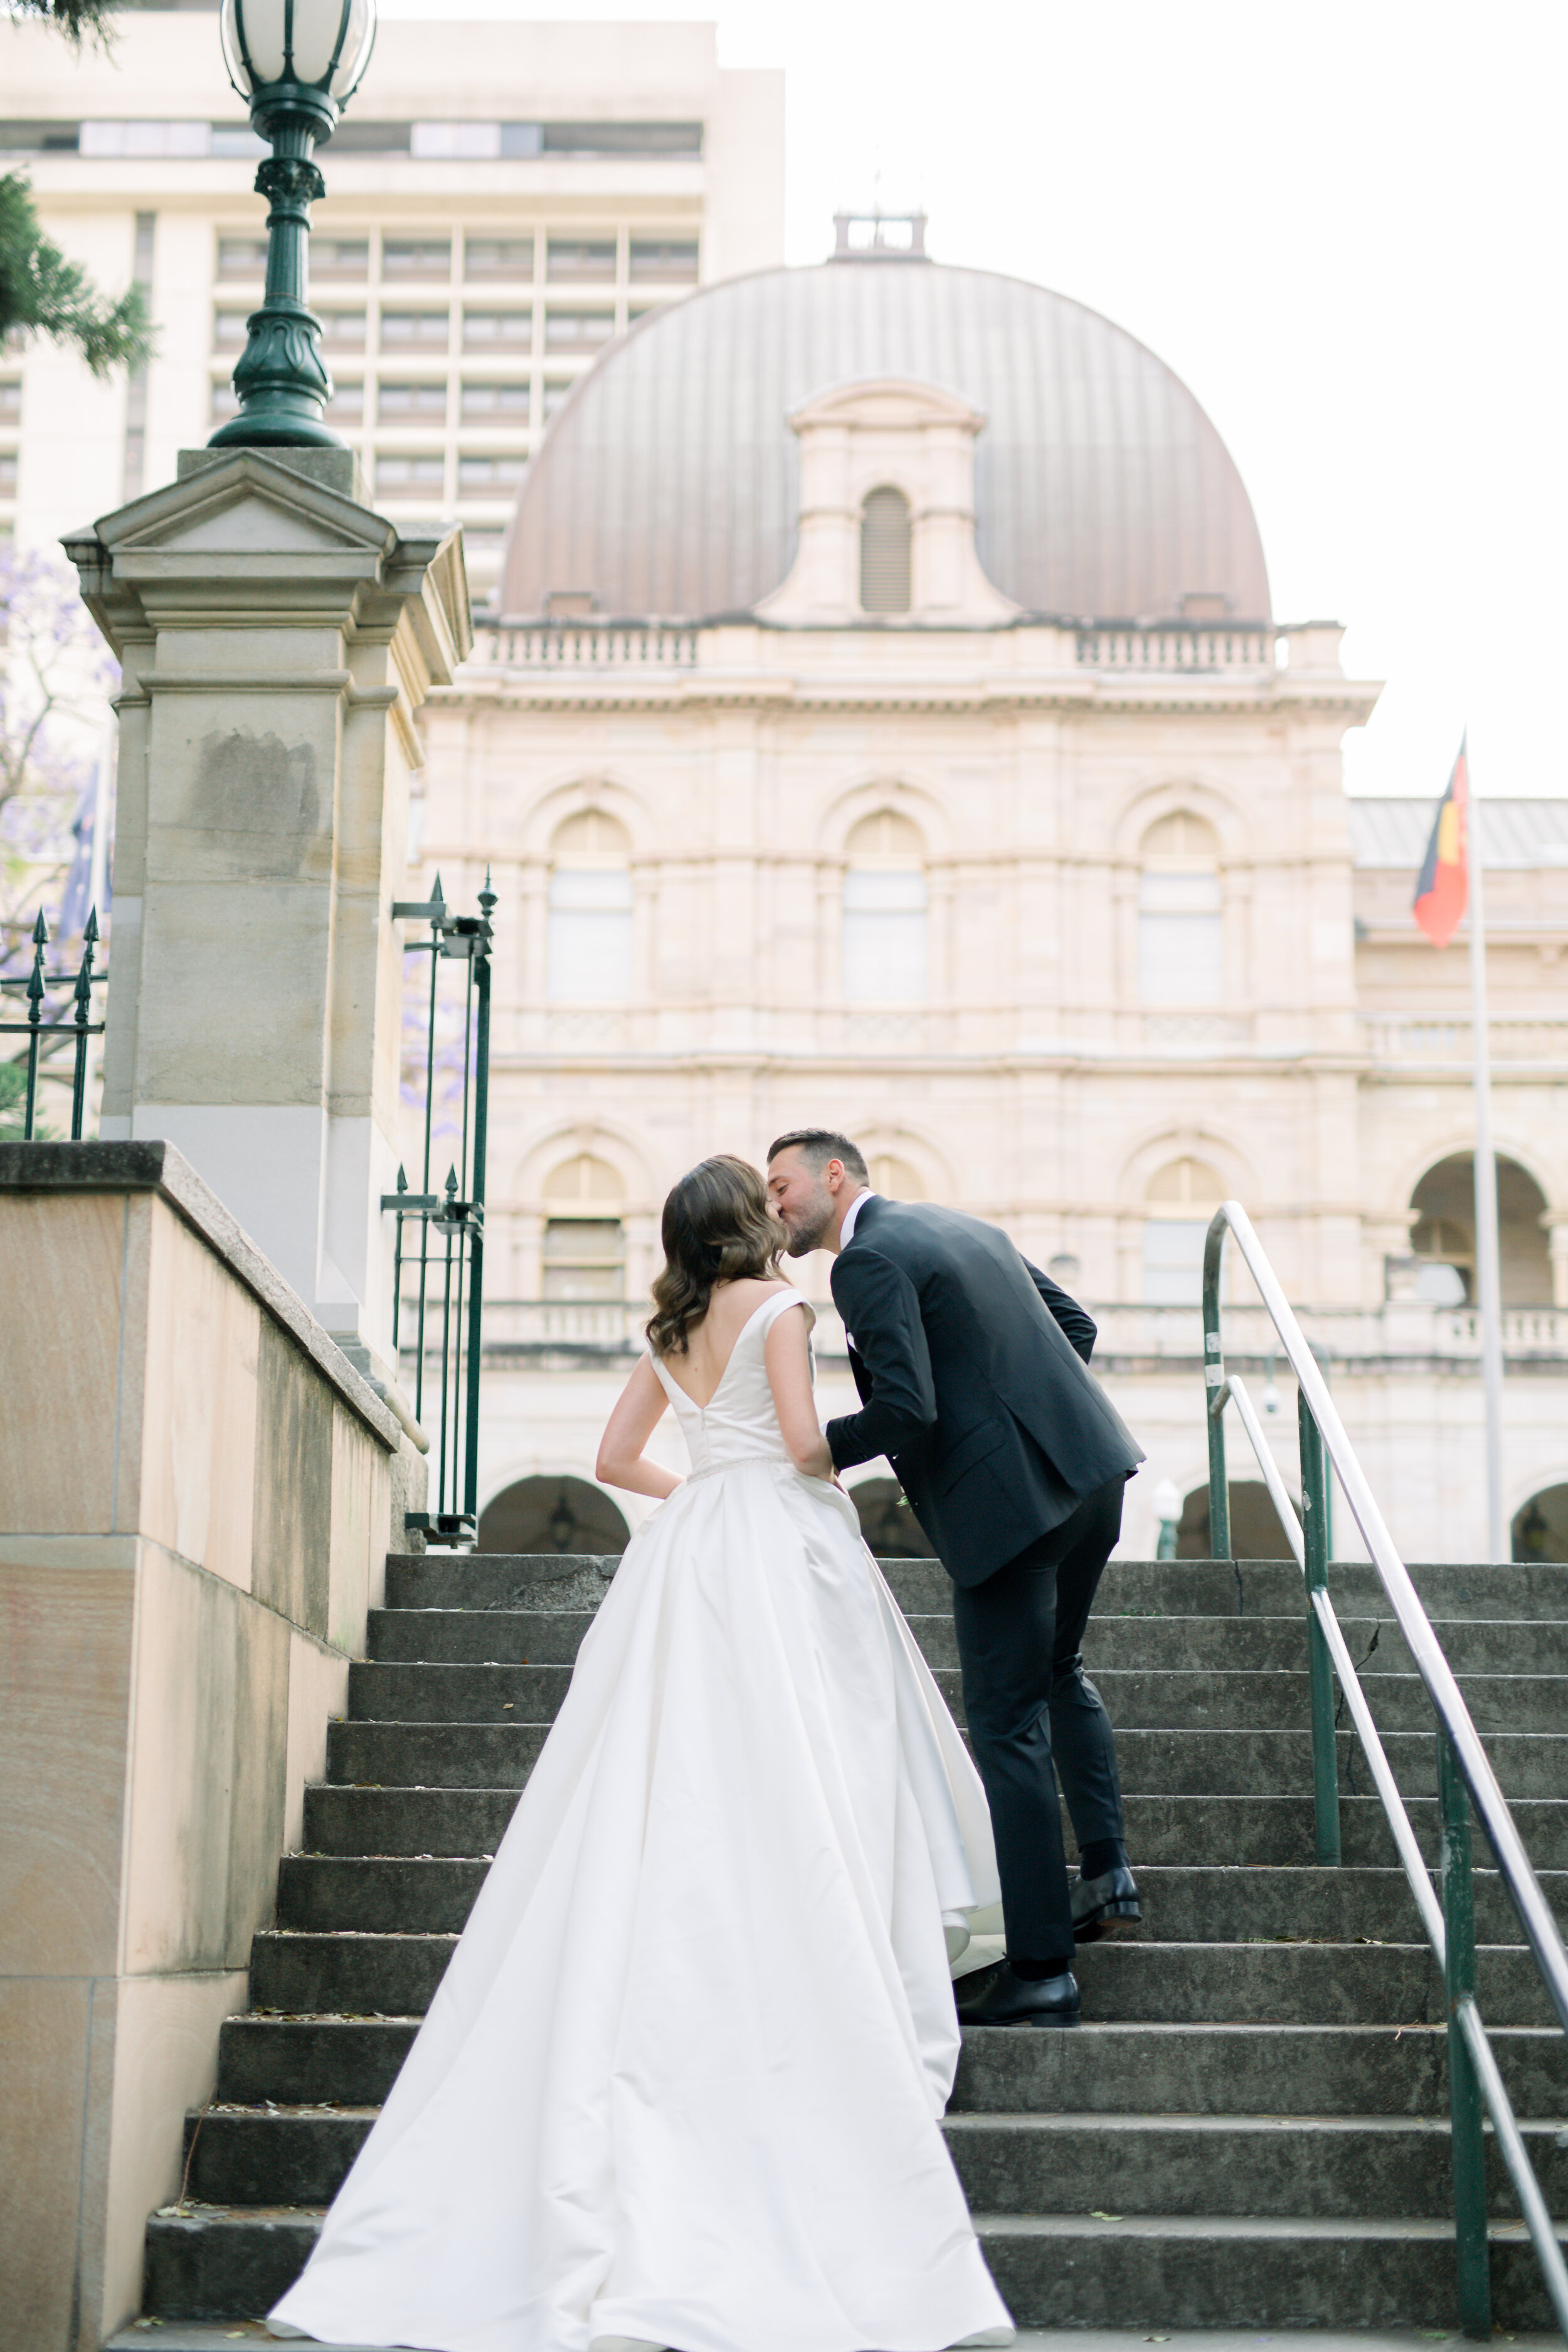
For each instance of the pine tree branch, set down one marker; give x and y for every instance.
(79, 20)
(43, 292)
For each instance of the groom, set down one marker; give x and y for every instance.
(970, 1368)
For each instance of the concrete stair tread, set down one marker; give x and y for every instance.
(1258, 1982)
(1239, 2226)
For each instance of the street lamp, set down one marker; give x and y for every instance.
(297, 62)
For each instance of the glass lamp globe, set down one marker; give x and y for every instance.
(319, 44)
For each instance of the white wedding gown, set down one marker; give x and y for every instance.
(683, 2077)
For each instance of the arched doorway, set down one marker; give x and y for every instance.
(1541, 1528)
(1444, 1233)
(559, 1515)
(887, 1522)
(1254, 1530)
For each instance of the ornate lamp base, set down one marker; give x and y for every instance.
(281, 378)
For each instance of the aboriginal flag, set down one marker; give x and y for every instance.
(1445, 883)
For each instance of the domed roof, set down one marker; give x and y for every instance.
(667, 485)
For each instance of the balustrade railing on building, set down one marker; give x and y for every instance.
(561, 645)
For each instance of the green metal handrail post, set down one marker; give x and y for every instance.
(1213, 1394)
(481, 977)
(1320, 1669)
(1463, 2091)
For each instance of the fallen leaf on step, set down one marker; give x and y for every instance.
(1096, 2216)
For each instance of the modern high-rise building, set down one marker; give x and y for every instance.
(503, 200)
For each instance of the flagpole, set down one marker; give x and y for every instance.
(1488, 1287)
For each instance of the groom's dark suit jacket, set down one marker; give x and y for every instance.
(971, 1365)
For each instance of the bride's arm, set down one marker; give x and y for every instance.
(786, 1352)
(637, 1412)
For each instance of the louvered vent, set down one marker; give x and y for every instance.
(885, 552)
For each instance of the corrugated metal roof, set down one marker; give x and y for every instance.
(666, 484)
(1395, 832)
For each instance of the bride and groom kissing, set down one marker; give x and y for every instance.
(681, 2084)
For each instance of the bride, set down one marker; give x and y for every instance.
(680, 2084)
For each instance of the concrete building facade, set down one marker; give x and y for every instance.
(502, 201)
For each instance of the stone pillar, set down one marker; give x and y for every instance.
(1557, 1248)
(278, 640)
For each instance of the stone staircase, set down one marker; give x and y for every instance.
(1250, 2129)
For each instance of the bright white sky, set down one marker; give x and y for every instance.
(1341, 223)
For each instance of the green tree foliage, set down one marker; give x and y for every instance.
(43, 293)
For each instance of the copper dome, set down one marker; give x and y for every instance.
(666, 487)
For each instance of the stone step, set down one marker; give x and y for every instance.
(451, 1752)
(479, 1580)
(1314, 2167)
(1184, 1903)
(1254, 1587)
(360, 1975)
(1267, 1830)
(1163, 2272)
(1169, 2272)
(1487, 1645)
(1101, 2069)
(350, 2061)
(497, 1636)
(224, 2265)
(1160, 2068)
(403, 1692)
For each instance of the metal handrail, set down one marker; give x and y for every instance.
(1464, 1766)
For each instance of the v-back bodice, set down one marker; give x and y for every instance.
(737, 1424)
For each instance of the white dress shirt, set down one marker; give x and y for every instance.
(851, 1216)
(845, 1231)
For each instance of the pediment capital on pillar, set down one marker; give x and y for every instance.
(252, 540)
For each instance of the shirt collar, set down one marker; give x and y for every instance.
(847, 1231)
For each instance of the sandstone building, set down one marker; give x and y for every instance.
(885, 723)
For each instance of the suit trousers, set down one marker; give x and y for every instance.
(1032, 1715)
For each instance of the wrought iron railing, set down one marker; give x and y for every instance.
(1464, 1775)
(37, 987)
(438, 1293)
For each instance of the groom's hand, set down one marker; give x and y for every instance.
(879, 1304)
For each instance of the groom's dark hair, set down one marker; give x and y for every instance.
(817, 1145)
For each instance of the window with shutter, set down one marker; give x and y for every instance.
(885, 913)
(589, 958)
(885, 552)
(1181, 933)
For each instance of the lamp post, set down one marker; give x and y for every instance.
(297, 63)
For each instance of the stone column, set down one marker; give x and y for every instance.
(278, 639)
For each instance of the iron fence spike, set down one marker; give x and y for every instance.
(40, 930)
(402, 1179)
(91, 934)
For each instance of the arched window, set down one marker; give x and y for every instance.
(885, 913)
(1180, 945)
(1541, 1528)
(590, 946)
(584, 1240)
(885, 552)
(1443, 1239)
(894, 1177)
(1181, 1197)
(559, 1515)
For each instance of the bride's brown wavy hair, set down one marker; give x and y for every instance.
(717, 1227)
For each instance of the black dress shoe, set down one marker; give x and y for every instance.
(1099, 1905)
(1000, 1998)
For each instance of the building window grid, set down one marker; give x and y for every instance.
(371, 259)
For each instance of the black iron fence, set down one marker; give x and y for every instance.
(39, 987)
(438, 1269)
